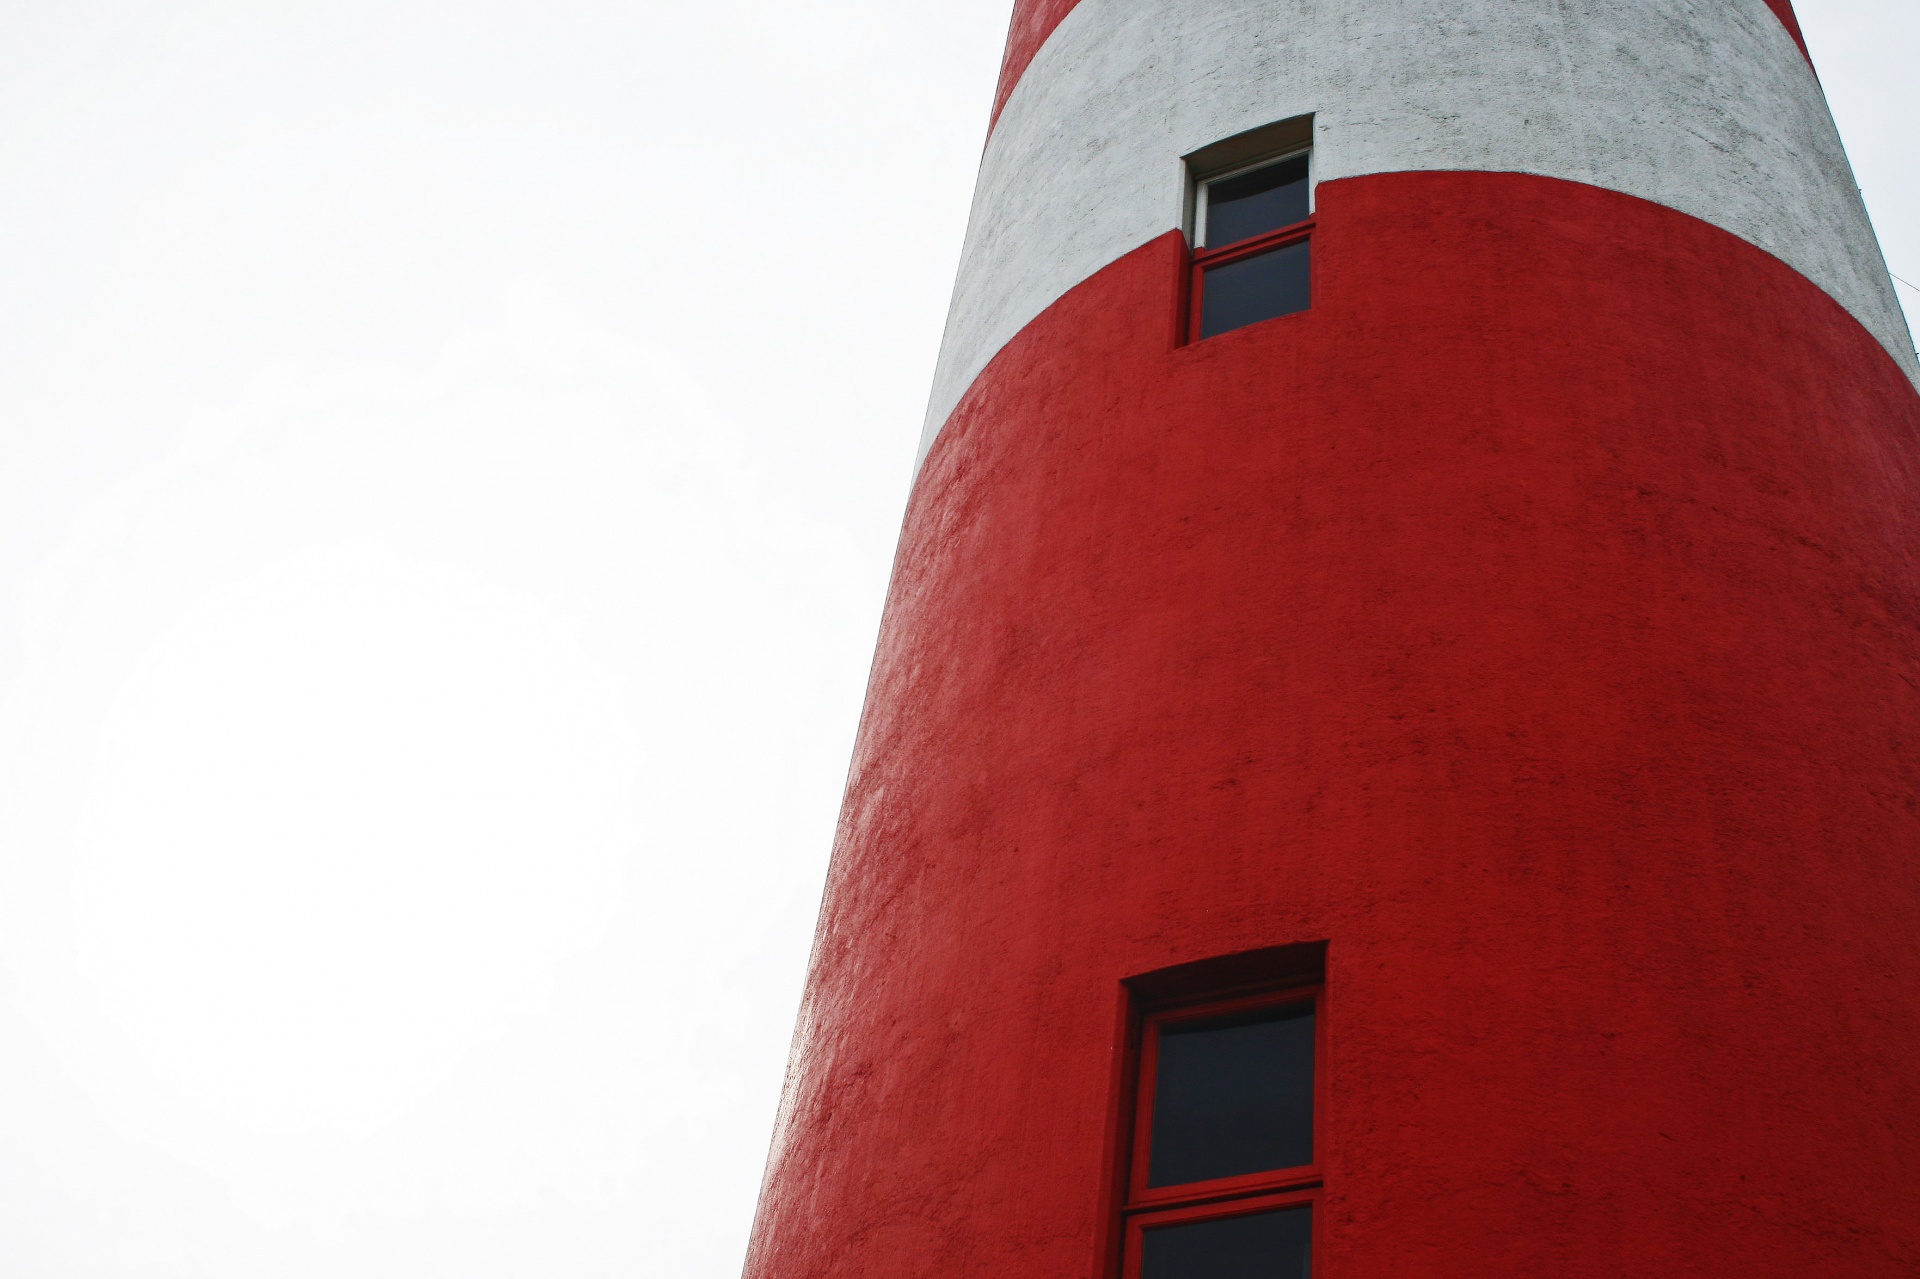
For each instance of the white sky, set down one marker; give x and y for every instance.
(450, 456)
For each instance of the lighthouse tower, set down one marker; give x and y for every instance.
(1394, 751)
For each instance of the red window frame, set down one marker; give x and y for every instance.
(1142, 1207)
(1201, 260)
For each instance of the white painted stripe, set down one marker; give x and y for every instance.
(1705, 106)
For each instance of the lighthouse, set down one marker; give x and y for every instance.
(1393, 745)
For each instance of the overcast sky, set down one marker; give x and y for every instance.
(450, 456)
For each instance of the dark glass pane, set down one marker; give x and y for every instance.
(1254, 289)
(1233, 1097)
(1267, 1245)
(1254, 203)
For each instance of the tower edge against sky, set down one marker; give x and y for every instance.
(1531, 622)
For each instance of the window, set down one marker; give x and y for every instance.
(1267, 198)
(1223, 1177)
(1251, 213)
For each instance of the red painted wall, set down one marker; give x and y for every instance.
(1034, 21)
(1536, 620)
(1784, 10)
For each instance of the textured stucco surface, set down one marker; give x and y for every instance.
(1034, 20)
(1535, 621)
(1704, 106)
(1783, 9)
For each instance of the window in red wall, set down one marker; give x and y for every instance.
(1251, 217)
(1223, 1176)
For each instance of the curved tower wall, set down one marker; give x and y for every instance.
(1531, 621)
(1707, 107)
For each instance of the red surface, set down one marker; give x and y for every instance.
(1784, 10)
(1536, 621)
(1034, 21)
(1147, 1206)
(1189, 324)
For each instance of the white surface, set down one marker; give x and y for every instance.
(1705, 106)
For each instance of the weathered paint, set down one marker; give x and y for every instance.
(1783, 10)
(1035, 20)
(1705, 106)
